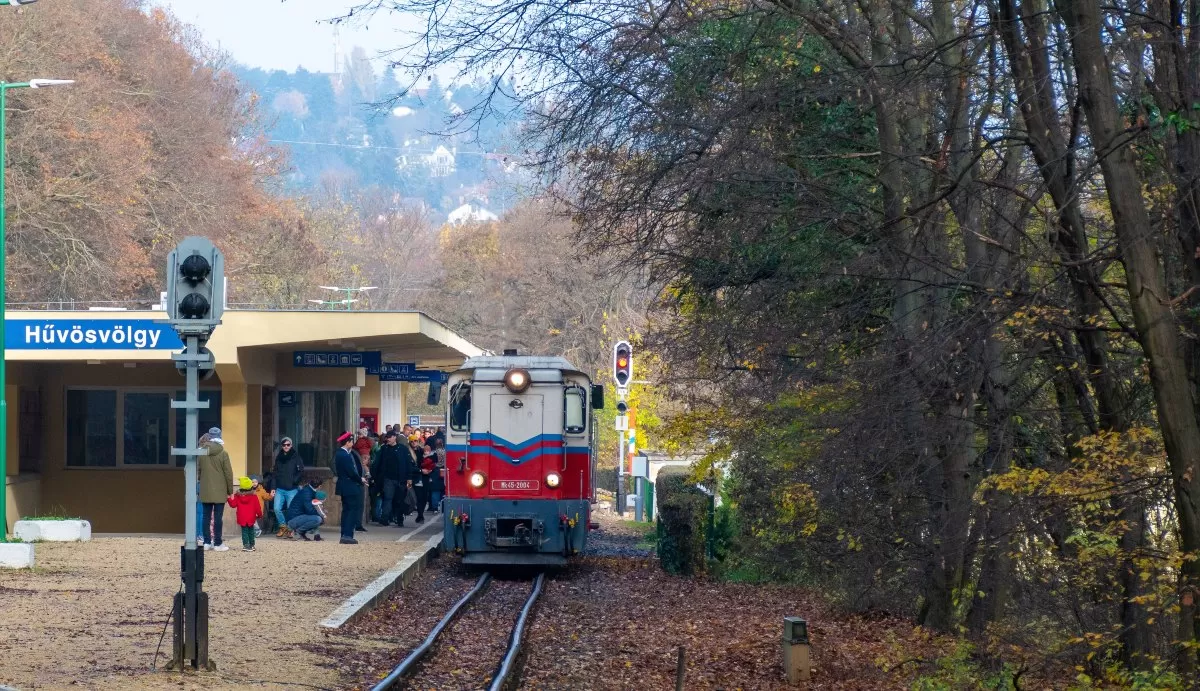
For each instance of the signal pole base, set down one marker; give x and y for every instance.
(190, 612)
(180, 660)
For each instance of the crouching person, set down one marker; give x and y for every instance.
(303, 516)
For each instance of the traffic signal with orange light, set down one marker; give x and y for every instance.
(622, 364)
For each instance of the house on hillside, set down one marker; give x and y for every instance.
(440, 162)
(468, 213)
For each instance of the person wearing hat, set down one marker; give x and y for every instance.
(249, 509)
(304, 514)
(216, 486)
(350, 484)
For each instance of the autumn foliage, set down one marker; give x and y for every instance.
(154, 142)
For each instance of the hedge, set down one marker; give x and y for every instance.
(681, 521)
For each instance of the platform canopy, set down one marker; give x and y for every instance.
(143, 336)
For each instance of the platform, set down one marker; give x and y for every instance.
(90, 615)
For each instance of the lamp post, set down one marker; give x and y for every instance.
(349, 292)
(4, 87)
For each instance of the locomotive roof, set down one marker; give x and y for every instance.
(530, 362)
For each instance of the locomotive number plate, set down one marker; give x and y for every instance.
(518, 485)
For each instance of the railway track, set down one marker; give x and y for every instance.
(504, 674)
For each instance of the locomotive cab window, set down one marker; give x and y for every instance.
(575, 410)
(460, 407)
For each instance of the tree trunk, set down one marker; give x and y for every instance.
(1024, 37)
(1147, 291)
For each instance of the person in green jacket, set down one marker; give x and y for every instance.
(216, 486)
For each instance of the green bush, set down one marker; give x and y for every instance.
(682, 523)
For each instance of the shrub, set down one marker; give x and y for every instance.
(682, 523)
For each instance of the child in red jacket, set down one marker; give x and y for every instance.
(249, 509)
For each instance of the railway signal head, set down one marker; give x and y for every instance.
(195, 286)
(622, 364)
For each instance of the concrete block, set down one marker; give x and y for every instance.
(53, 531)
(399, 575)
(16, 555)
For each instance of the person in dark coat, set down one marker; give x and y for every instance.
(394, 470)
(302, 516)
(289, 474)
(350, 484)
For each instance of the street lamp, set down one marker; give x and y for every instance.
(331, 303)
(349, 292)
(4, 87)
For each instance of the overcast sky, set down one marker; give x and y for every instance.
(285, 35)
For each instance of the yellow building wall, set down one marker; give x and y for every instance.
(369, 395)
(289, 377)
(24, 494)
(234, 427)
(115, 500)
(254, 429)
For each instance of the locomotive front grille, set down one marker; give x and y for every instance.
(513, 530)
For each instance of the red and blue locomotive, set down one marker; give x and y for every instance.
(519, 460)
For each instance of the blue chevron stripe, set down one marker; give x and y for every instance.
(515, 447)
(518, 459)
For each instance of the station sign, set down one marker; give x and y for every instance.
(419, 375)
(427, 420)
(335, 358)
(89, 334)
(389, 368)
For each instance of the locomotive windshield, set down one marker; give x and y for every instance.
(460, 406)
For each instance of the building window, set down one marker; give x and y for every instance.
(147, 430)
(91, 428)
(313, 420)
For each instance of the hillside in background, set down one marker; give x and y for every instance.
(351, 130)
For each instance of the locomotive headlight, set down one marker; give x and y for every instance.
(517, 380)
(477, 480)
(552, 480)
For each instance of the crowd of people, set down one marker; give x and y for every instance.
(381, 478)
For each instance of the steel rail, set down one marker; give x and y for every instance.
(508, 664)
(410, 662)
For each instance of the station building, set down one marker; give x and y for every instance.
(90, 424)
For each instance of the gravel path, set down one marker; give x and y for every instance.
(90, 614)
